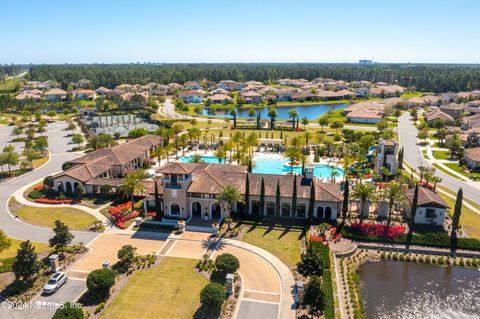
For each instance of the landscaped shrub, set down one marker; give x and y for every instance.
(35, 194)
(227, 263)
(432, 238)
(327, 280)
(213, 295)
(99, 307)
(68, 311)
(100, 281)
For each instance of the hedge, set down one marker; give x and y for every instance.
(432, 239)
(35, 194)
(327, 280)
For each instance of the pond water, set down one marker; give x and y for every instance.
(406, 290)
(312, 112)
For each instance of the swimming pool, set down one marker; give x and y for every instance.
(275, 164)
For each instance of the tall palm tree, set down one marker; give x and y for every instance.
(131, 184)
(272, 113)
(364, 194)
(293, 114)
(422, 169)
(293, 154)
(229, 196)
(233, 114)
(395, 195)
(436, 180)
(251, 142)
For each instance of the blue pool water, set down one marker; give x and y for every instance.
(312, 112)
(272, 164)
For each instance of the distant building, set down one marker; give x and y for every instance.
(365, 62)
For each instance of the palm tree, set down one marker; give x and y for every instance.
(293, 154)
(323, 121)
(251, 141)
(364, 194)
(436, 180)
(221, 154)
(229, 196)
(272, 113)
(233, 114)
(132, 183)
(422, 169)
(196, 158)
(293, 114)
(395, 195)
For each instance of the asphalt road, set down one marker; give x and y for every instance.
(413, 156)
(69, 292)
(257, 310)
(58, 146)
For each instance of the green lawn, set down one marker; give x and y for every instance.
(74, 218)
(283, 244)
(441, 155)
(469, 220)
(459, 169)
(447, 172)
(169, 290)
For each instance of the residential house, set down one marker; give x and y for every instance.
(33, 94)
(192, 85)
(103, 91)
(85, 95)
(191, 97)
(364, 116)
(472, 121)
(302, 96)
(455, 110)
(55, 95)
(220, 99)
(472, 157)
(437, 114)
(431, 208)
(251, 97)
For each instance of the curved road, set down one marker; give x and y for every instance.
(407, 133)
(58, 145)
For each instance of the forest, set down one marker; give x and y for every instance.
(424, 77)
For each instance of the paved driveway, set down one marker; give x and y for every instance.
(69, 292)
(58, 146)
(413, 156)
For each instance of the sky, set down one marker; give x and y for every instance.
(207, 31)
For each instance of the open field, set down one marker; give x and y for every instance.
(169, 290)
(469, 220)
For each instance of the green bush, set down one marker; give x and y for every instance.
(213, 295)
(431, 238)
(100, 281)
(68, 311)
(99, 307)
(35, 194)
(327, 279)
(227, 263)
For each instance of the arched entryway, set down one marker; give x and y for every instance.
(320, 212)
(216, 211)
(174, 209)
(60, 188)
(328, 212)
(75, 186)
(196, 209)
(68, 187)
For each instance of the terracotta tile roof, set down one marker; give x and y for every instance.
(453, 106)
(438, 114)
(56, 92)
(97, 162)
(363, 113)
(473, 154)
(426, 198)
(212, 178)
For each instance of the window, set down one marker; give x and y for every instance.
(270, 209)
(174, 209)
(301, 210)
(174, 193)
(255, 207)
(195, 195)
(285, 210)
(431, 213)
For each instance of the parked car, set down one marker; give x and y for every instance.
(55, 282)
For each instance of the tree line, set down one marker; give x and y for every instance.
(424, 77)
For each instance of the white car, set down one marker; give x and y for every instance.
(55, 282)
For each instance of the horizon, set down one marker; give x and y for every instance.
(123, 32)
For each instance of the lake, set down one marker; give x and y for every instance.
(406, 290)
(312, 112)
